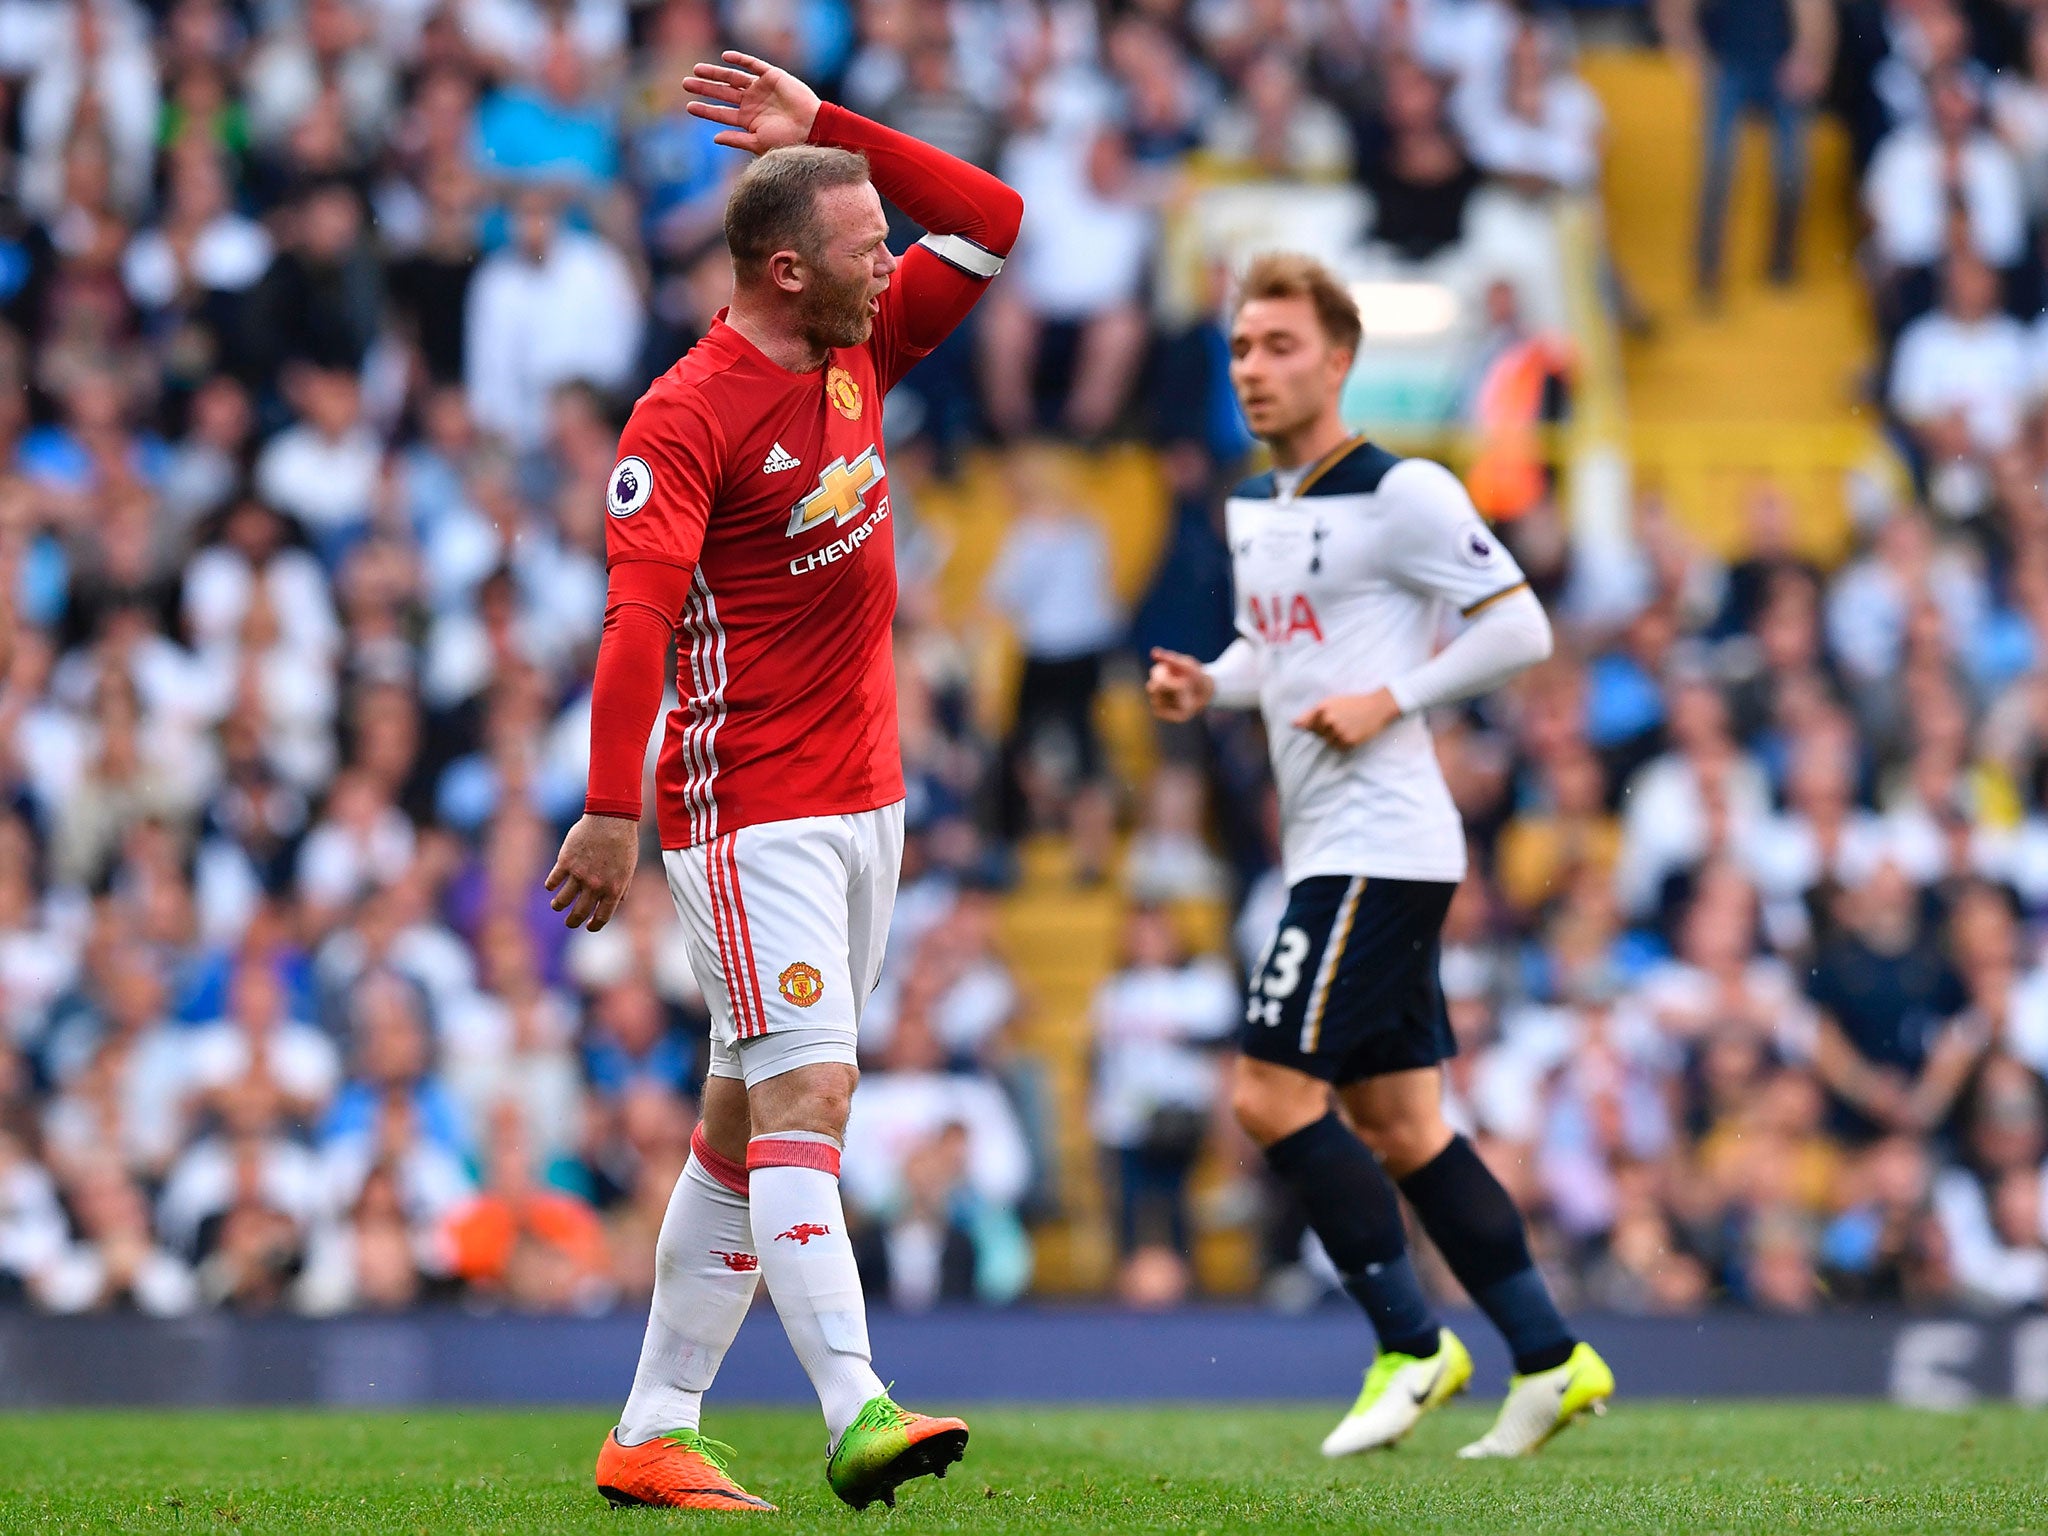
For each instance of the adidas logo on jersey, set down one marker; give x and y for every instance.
(778, 460)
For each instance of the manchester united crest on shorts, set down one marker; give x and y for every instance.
(801, 984)
(843, 393)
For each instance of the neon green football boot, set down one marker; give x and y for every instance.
(1541, 1404)
(886, 1446)
(1399, 1390)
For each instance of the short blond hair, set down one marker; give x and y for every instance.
(1291, 275)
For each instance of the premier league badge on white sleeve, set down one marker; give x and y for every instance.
(1476, 548)
(631, 484)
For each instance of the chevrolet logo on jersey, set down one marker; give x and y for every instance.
(841, 494)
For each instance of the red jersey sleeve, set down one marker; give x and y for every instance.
(642, 603)
(671, 459)
(971, 221)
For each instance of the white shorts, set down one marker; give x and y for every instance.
(787, 922)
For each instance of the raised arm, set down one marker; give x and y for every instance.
(971, 218)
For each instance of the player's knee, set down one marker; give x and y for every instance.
(1404, 1145)
(814, 1098)
(1269, 1108)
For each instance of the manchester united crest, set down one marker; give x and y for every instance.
(844, 394)
(801, 984)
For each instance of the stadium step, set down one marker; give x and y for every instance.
(1767, 385)
(1063, 940)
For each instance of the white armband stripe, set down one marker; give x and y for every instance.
(959, 251)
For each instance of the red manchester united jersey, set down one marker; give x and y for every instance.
(771, 487)
(749, 518)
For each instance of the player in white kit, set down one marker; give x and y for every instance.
(1345, 559)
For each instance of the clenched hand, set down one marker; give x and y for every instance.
(1348, 720)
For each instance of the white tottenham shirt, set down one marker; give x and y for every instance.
(1342, 573)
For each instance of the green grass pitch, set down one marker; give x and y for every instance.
(1216, 1469)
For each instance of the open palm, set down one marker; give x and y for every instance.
(759, 106)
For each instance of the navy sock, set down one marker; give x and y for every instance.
(1354, 1210)
(1476, 1227)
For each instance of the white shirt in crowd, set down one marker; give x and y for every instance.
(202, 1184)
(1907, 198)
(1981, 369)
(1561, 146)
(518, 31)
(327, 483)
(1079, 253)
(229, 255)
(1667, 825)
(297, 1057)
(1157, 1034)
(895, 1112)
(575, 314)
(1988, 1269)
(1051, 579)
(1867, 606)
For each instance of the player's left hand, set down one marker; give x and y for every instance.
(1347, 720)
(760, 107)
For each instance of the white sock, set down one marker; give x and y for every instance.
(807, 1260)
(705, 1273)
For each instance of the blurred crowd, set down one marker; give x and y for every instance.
(320, 319)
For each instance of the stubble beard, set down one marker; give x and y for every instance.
(835, 314)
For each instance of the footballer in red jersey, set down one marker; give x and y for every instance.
(749, 522)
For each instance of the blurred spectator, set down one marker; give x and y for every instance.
(1890, 1057)
(113, 1261)
(367, 1261)
(1769, 56)
(1160, 1025)
(1279, 129)
(1051, 579)
(536, 1248)
(1991, 1208)
(941, 1242)
(1420, 178)
(1542, 132)
(255, 1039)
(554, 305)
(323, 471)
(1963, 376)
(1927, 175)
(1071, 298)
(908, 1099)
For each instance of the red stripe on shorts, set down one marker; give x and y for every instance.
(735, 991)
(746, 934)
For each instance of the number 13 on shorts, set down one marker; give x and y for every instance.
(1278, 977)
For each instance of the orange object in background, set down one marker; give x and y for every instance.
(1510, 473)
(483, 1235)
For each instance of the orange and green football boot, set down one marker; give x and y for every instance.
(886, 1446)
(678, 1470)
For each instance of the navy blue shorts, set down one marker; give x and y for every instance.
(1348, 988)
